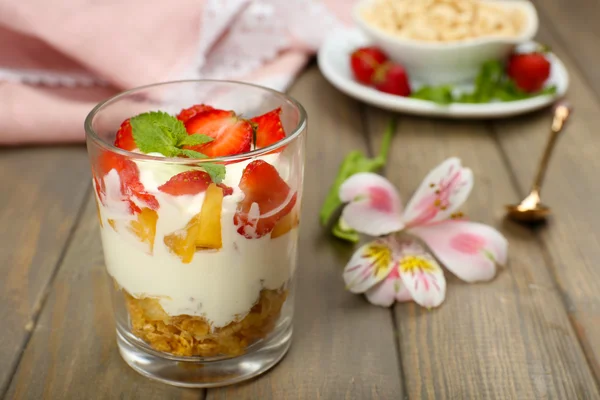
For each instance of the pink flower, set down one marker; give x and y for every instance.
(397, 267)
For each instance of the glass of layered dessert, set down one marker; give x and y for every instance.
(198, 186)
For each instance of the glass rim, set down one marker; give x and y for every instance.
(297, 131)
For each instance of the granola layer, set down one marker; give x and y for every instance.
(185, 335)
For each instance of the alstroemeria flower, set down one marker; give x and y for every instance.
(397, 267)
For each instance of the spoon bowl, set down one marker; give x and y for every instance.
(519, 213)
(531, 209)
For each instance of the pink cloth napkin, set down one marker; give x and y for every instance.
(58, 58)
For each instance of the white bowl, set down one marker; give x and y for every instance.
(447, 62)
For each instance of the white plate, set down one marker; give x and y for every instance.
(334, 63)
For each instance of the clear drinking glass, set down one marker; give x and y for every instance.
(198, 309)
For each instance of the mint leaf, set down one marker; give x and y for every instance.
(489, 78)
(157, 132)
(191, 153)
(216, 171)
(195, 140)
(437, 94)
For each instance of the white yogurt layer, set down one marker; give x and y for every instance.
(220, 285)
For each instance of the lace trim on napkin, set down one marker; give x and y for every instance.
(260, 30)
(50, 78)
(256, 36)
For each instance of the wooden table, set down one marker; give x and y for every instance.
(534, 332)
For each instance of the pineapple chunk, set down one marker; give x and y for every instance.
(209, 235)
(145, 227)
(183, 241)
(286, 224)
(203, 230)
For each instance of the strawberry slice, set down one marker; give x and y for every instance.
(124, 139)
(188, 113)
(231, 134)
(269, 129)
(129, 175)
(191, 182)
(262, 186)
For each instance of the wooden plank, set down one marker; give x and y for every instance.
(72, 353)
(343, 348)
(506, 339)
(572, 189)
(42, 191)
(576, 29)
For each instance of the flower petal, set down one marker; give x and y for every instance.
(441, 193)
(468, 249)
(370, 264)
(387, 291)
(374, 205)
(422, 275)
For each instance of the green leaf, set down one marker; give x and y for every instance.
(332, 200)
(216, 171)
(386, 143)
(489, 77)
(355, 162)
(438, 94)
(195, 140)
(342, 231)
(191, 153)
(157, 131)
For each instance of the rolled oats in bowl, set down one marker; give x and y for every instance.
(444, 20)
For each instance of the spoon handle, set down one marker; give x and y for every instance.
(561, 114)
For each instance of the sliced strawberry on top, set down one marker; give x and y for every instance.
(124, 138)
(188, 113)
(191, 182)
(231, 134)
(267, 199)
(129, 175)
(269, 129)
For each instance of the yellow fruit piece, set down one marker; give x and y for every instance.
(203, 230)
(183, 241)
(145, 226)
(286, 224)
(209, 235)
(112, 223)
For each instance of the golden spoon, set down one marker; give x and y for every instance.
(531, 208)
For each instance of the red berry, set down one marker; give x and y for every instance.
(232, 135)
(529, 71)
(129, 175)
(267, 199)
(392, 78)
(364, 61)
(188, 113)
(190, 182)
(124, 138)
(269, 129)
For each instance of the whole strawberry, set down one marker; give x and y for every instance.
(364, 61)
(529, 71)
(392, 78)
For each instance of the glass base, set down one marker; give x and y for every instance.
(191, 373)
